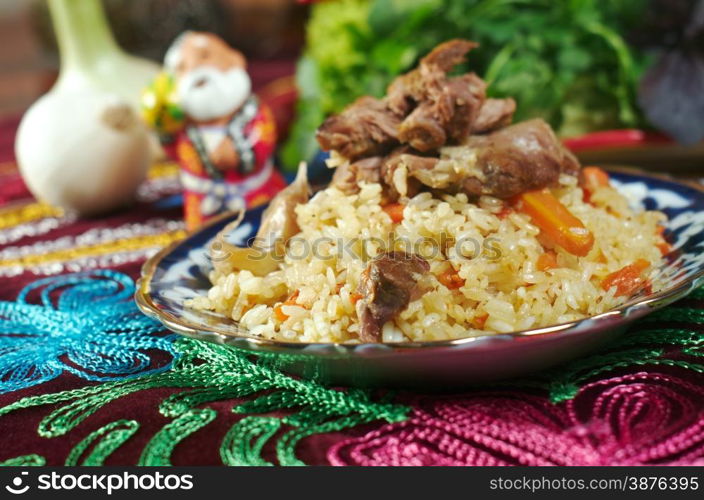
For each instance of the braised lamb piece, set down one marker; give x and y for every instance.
(511, 160)
(412, 162)
(400, 140)
(409, 89)
(494, 114)
(446, 115)
(446, 107)
(424, 108)
(519, 158)
(365, 128)
(348, 175)
(387, 286)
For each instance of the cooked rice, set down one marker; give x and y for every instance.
(501, 279)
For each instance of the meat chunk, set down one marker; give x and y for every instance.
(518, 158)
(455, 166)
(365, 128)
(460, 104)
(423, 129)
(387, 285)
(494, 114)
(403, 172)
(397, 183)
(503, 164)
(448, 54)
(420, 167)
(413, 87)
(443, 133)
(348, 175)
(406, 91)
(445, 115)
(424, 108)
(446, 107)
(434, 173)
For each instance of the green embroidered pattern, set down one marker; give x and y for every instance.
(113, 436)
(158, 450)
(211, 373)
(244, 442)
(24, 461)
(208, 373)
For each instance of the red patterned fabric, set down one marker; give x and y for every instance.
(636, 419)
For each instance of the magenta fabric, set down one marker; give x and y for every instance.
(635, 419)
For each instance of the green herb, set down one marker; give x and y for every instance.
(563, 60)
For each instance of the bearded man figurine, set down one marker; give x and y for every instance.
(221, 135)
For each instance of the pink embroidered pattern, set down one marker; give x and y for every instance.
(634, 419)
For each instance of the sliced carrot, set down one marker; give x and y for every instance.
(291, 301)
(547, 260)
(594, 177)
(590, 179)
(660, 230)
(280, 315)
(641, 264)
(355, 297)
(628, 279)
(395, 211)
(479, 320)
(450, 279)
(556, 222)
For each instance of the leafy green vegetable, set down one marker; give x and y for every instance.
(563, 60)
(325, 75)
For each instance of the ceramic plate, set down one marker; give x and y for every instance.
(179, 272)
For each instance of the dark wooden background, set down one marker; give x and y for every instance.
(268, 31)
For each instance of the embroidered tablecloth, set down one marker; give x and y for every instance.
(86, 379)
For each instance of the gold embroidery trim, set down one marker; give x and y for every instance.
(27, 212)
(124, 245)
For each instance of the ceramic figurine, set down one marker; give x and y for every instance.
(222, 136)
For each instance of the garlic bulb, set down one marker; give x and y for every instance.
(82, 145)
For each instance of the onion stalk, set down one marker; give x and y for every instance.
(82, 145)
(90, 57)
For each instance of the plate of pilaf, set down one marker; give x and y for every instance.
(451, 246)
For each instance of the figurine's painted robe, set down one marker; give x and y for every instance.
(208, 191)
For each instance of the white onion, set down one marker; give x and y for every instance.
(86, 152)
(82, 146)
